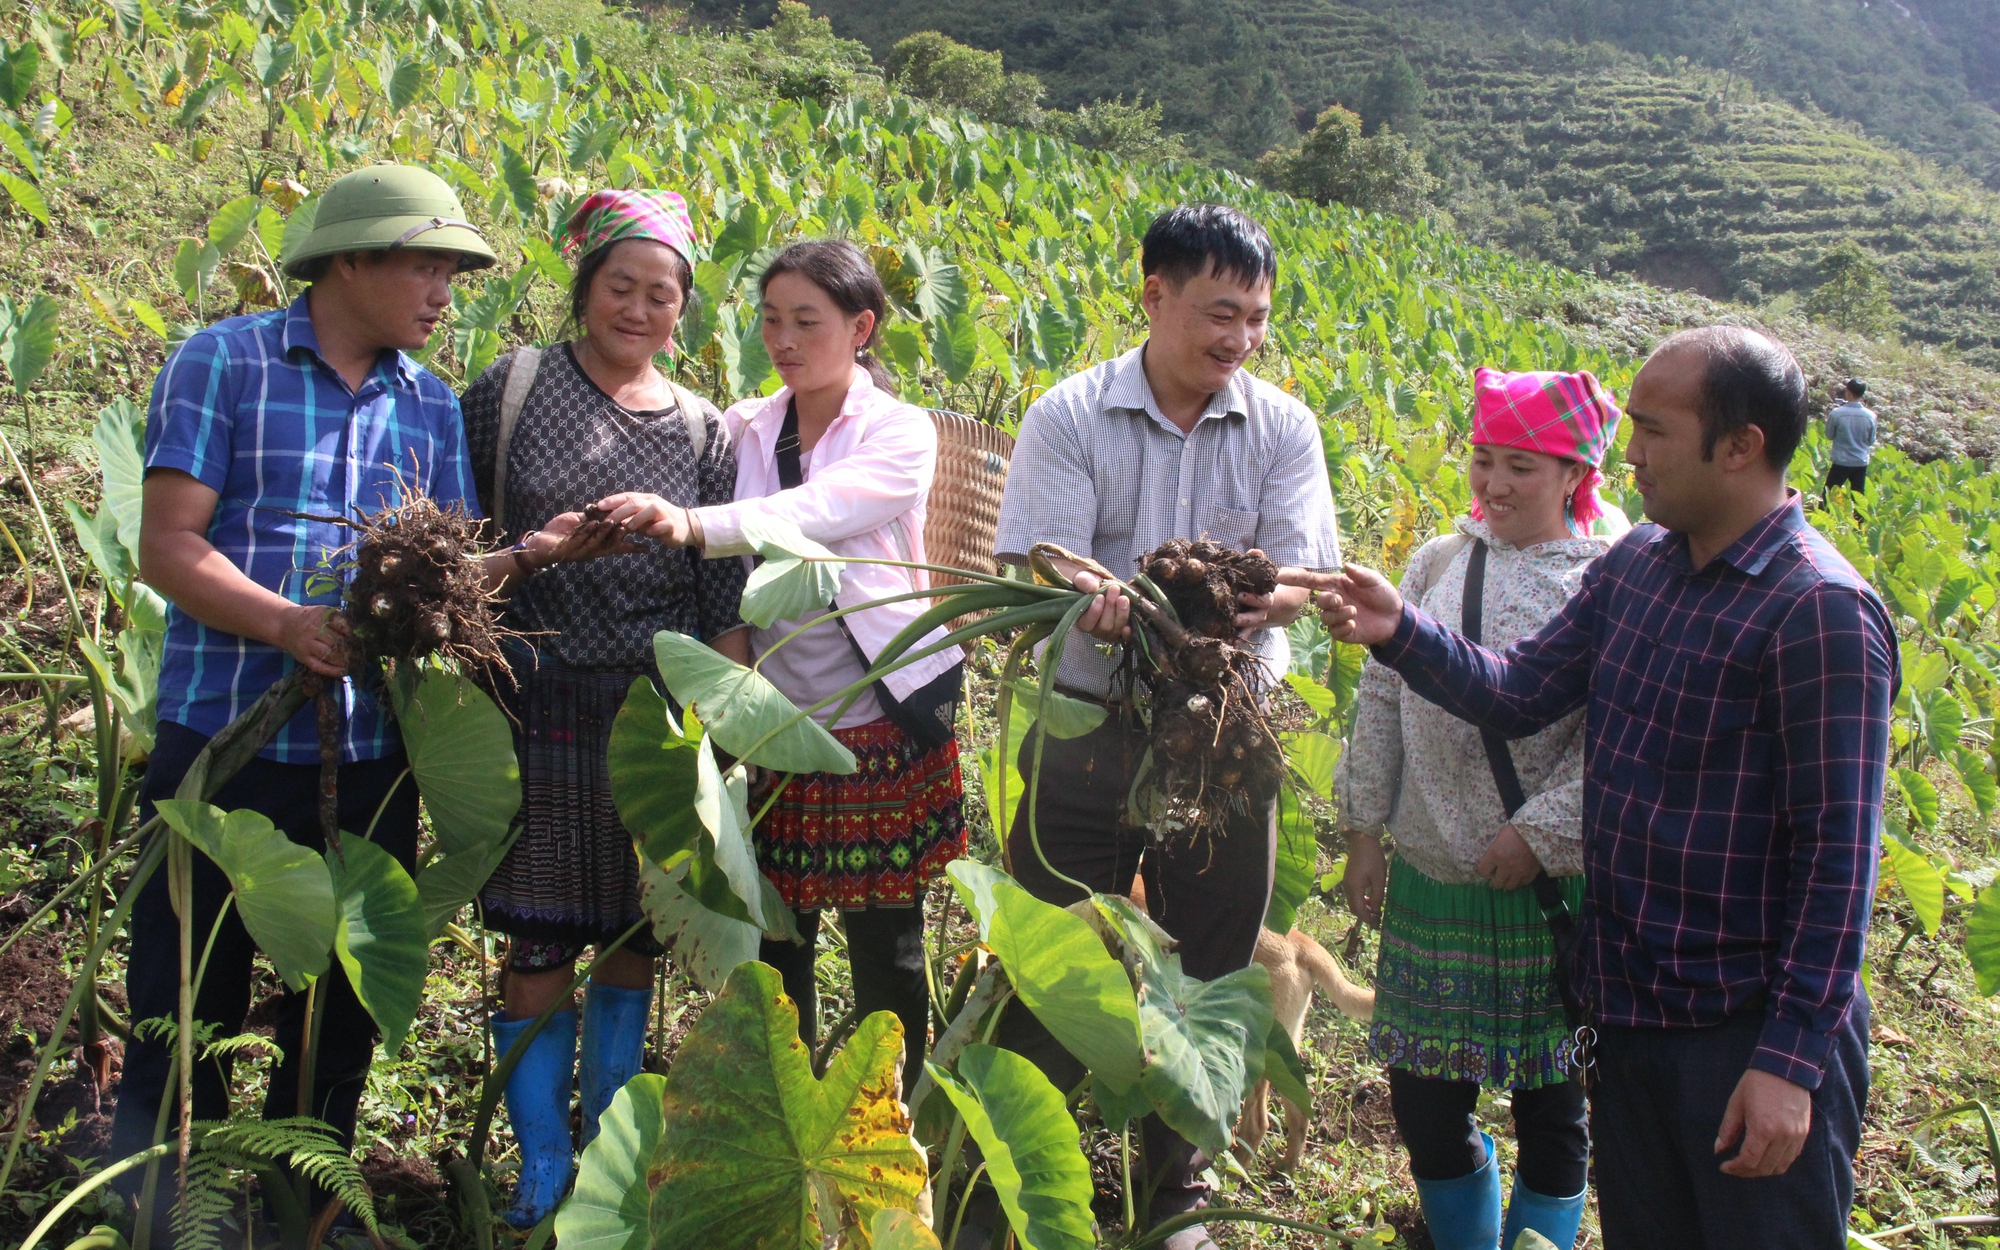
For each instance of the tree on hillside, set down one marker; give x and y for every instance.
(801, 58)
(1393, 99)
(937, 67)
(1854, 294)
(1128, 131)
(1336, 164)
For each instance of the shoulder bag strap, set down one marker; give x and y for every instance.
(690, 408)
(521, 372)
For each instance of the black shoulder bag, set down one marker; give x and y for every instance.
(1562, 925)
(930, 714)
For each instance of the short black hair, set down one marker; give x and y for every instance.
(1195, 239)
(1856, 387)
(586, 273)
(1749, 379)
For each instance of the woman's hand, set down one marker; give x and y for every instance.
(569, 538)
(639, 513)
(1367, 876)
(1509, 863)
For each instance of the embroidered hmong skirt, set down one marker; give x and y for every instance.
(874, 837)
(571, 879)
(1464, 989)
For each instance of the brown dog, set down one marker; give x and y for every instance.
(1297, 965)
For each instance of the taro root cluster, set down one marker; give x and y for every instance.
(419, 588)
(1213, 749)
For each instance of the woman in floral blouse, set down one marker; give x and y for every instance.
(1465, 996)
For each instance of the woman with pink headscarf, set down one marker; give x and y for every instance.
(1465, 993)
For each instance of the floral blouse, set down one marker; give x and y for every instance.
(1421, 772)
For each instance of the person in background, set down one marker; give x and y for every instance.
(1737, 676)
(1464, 989)
(1173, 439)
(837, 454)
(1852, 426)
(260, 426)
(594, 417)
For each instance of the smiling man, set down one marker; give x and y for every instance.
(1171, 440)
(1738, 675)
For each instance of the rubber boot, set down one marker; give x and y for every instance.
(538, 1108)
(614, 1043)
(1464, 1213)
(1554, 1218)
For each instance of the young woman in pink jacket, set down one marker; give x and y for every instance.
(839, 455)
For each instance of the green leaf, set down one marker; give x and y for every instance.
(547, 261)
(707, 945)
(740, 708)
(655, 775)
(403, 84)
(1944, 721)
(148, 316)
(196, 104)
(753, 1150)
(18, 67)
(1060, 970)
(1033, 1154)
(231, 222)
(26, 195)
(195, 263)
(1061, 716)
(381, 937)
(1922, 884)
(284, 891)
(1920, 794)
(31, 344)
(743, 234)
(893, 1229)
(1283, 1068)
(797, 578)
(520, 180)
(940, 289)
(1931, 670)
(271, 59)
(1316, 696)
(992, 768)
(1298, 859)
(905, 348)
(462, 755)
(1313, 756)
(1979, 783)
(120, 438)
(1982, 940)
(609, 1208)
(299, 226)
(954, 345)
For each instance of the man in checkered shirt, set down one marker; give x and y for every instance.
(1738, 675)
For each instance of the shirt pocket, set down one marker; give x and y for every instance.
(1232, 527)
(1708, 704)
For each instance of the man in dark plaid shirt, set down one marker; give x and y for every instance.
(1738, 675)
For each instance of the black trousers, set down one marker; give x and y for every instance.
(1551, 1126)
(1211, 896)
(885, 952)
(1654, 1114)
(1847, 475)
(289, 795)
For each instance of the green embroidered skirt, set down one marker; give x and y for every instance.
(1464, 986)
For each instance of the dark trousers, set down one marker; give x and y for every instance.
(885, 953)
(1847, 475)
(289, 795)
(1551, 1126)
(1210, 895)
(1654, 1114)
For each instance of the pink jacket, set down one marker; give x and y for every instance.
(863, 495)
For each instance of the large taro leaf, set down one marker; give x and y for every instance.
(1982, 940)
(756, 1153)
(1033, 1153)
(741, 710)
(896, 1229)
(797, 578)
(608, 1209)
(462, 756)
(283, 890)
(1282, 1065)
(654, 777)
(707, 944)
(1298, 860)
(1062, 972)
(120, 435)
(1062, 717)
(380, 935)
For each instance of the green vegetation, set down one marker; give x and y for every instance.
(1336, 165)
(155, 174)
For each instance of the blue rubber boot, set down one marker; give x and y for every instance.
(1554, 1218)
(1464, 1213)
(538, 1108)
(614, 1042)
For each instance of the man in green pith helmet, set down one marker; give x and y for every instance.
(258, 425)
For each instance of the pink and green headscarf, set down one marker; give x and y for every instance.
(1558, 414)
(611, 215)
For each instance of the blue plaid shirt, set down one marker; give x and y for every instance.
(250, 409)
(1736, 743)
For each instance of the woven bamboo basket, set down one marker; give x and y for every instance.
(964, 505)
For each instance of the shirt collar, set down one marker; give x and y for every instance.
(1750, 553)
(1131, 392)
(861, 393)
(299, 334)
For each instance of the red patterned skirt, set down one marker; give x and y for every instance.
(872, 837)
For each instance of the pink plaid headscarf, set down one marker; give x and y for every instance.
(1559, 414)
(610, 215)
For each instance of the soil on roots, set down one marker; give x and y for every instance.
(1213, 749)
(419, 587)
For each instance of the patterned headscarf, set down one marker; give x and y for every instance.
(1559, 414)
(610, 215)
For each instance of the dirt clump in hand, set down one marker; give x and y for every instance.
(1203, 579)
(419, 587)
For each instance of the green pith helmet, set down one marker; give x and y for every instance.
(389, 206)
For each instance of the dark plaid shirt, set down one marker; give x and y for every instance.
(1736, 742)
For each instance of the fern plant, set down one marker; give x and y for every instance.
(225, 1152)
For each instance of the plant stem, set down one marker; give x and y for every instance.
(81, 1191)
(964, 1201)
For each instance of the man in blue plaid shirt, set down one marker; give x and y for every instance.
(1738, 675)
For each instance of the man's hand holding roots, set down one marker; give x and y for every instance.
(1356, 605)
